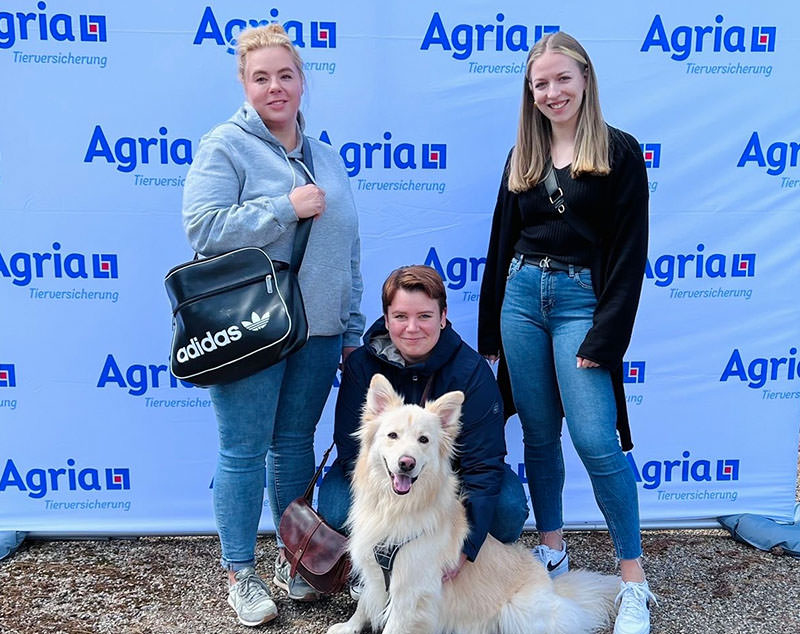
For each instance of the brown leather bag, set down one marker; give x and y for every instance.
(313, 548)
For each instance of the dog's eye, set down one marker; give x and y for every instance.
(392, 435)
(423, 440)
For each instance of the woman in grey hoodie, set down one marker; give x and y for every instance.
(249, 186)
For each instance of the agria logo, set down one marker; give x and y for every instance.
(776, 158)
(137, 378)
(759, 370)
(58, 27)
(668, 267)
(456, 271)
(38, 482)
(685, 469)
(388, 154)
(463, 39)
(23, 267)
(652, 154)
(684, 40)
(128, 152)
(8, 376)
(633, 371)
(315, 34)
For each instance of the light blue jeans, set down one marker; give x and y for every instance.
(269, 416)
(545, 317)
(509, 517)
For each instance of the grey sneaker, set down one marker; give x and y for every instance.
(634, 608)
(250, 599)
(296, 587)
(555, 561)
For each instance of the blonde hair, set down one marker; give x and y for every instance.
(272, 35)
(532, 150)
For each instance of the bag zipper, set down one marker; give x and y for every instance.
(222, 289)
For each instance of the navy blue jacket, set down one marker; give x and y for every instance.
(455, 366)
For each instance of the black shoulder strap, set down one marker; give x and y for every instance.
(304, 225)
(554, 191)
(426, 391)
(556, 196)
(309, 494)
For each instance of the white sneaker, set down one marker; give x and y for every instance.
(555, 561)
(634, 609)
(250, 599)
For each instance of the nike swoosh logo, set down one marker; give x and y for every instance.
(552, 566)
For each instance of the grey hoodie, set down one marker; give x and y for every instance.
(237, 194)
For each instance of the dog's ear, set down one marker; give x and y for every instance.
(380, 397)
(448, 408)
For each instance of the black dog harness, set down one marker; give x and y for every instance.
(385, 555)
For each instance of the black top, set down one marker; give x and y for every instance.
(614, 208)
(544, 231)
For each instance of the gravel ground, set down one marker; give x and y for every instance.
(705, 581)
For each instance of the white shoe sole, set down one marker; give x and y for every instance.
(267, 617)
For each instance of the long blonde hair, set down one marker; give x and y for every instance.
(532, 150)
(271, 35)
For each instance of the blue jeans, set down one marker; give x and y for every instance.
(545, 317)
(270, 416)
(509, 517)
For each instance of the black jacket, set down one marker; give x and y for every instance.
(614, 208)
(455, 366)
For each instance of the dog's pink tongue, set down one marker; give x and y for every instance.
(402, 483)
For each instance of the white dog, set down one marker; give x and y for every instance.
(405, 493)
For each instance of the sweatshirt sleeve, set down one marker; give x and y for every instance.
(506, 227)
(625, 258)
(482, 450)
(357, 319)
(214, 218)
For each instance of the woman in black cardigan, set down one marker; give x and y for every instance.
(559, 296)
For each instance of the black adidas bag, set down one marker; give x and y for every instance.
(233, 315)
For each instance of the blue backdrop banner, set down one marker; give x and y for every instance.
(104, 104)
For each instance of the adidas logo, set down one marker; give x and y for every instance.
(198, 347)
(257, 322)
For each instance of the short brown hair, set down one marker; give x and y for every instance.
(270, 36)
(416, 277)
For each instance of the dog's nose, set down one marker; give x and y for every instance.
(406, 463)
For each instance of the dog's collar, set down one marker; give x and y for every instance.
(385, 555)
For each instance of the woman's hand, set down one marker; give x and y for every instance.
(346, 350)
(308, 201)
(585, 363)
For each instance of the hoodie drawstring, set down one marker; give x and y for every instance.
(291, 169)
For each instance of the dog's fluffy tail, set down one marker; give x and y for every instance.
(578, 602)
(592, 595)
